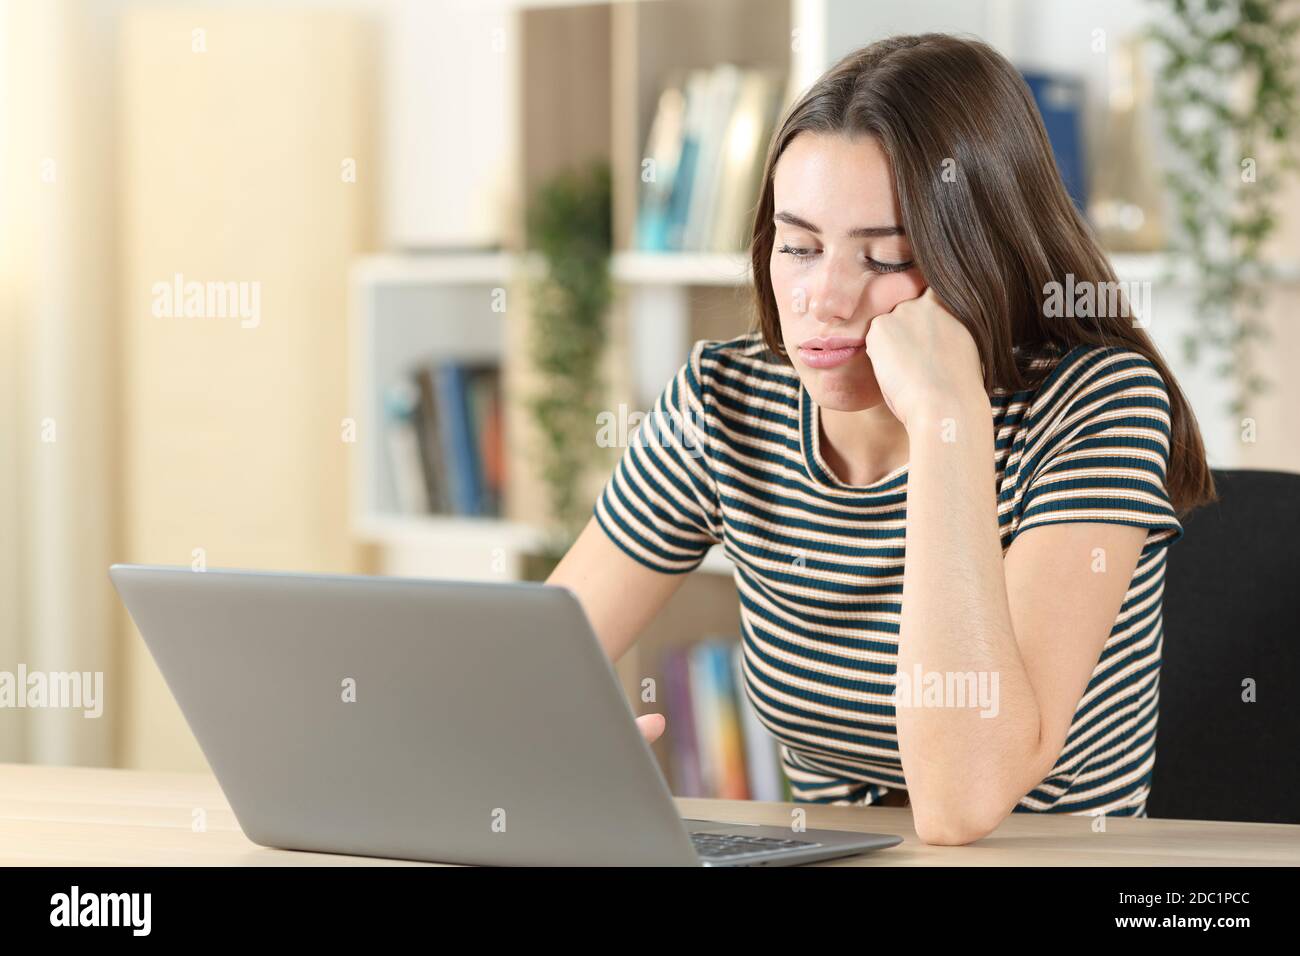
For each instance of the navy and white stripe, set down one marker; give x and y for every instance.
(730, 455)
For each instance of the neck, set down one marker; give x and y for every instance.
(862, 447)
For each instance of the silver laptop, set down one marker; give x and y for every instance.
(426, 720)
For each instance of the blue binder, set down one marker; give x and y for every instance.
(1060, 101)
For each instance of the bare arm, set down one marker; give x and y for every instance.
(968, 611)
(619, 595)
(1037, 620)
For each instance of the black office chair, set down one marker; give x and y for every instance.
(1232, 612)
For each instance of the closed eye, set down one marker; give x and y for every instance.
(874, 265)
(797, 253)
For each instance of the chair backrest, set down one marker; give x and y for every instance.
(1231, 632)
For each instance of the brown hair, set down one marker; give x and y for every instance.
(990, 239)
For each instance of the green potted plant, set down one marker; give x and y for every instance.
(1229, 99)
(568, 226)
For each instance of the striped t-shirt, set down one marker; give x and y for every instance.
(730, 455)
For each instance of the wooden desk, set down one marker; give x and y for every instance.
(77, 816)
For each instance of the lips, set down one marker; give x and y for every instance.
(830, 352)
(832, 343)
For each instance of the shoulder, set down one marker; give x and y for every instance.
(1096, 446)
(1090, 376)
(746, 353)
(739, 364)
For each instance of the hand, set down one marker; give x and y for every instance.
(651, 726)
(922, 356)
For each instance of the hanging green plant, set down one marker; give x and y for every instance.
(1228, 99)
(569, 226)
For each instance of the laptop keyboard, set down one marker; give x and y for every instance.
(719, 846)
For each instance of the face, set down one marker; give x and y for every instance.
(839, 259)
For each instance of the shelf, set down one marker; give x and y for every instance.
(1157, 267)
(433, 267)
(453, 532)
(447, 531)
(632, 268)
(682, 268)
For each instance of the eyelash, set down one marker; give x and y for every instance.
(872, 264)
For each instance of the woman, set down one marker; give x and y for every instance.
(915, 387)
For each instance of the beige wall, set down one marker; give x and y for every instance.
(1277, 426)
(232, 171)
(1276, 435)
(58, 493)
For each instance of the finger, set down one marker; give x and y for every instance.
(651, 726)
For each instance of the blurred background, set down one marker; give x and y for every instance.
(374, 286)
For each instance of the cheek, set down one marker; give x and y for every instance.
(783, 285)
(782, 282)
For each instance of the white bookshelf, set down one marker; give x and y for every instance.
(408, 309)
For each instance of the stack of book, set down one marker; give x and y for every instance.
(704, 158)
(717, 746)
(445, 437)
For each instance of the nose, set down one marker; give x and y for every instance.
(835, 291)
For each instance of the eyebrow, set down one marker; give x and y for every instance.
(861, 232)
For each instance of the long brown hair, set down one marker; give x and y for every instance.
(991, 234)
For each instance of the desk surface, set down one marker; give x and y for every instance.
(79, 816)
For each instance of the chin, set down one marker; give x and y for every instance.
(842, 393)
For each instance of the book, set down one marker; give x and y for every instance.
(732, 783)
(693, 127)
(717, 747)
(1060, 100)
(457, 441)
(719, 101)
(708, 140)
(402, 436)
(744, 151)
(684, 758)
(707, 729)
(428, 430)
(484, 384)
(458, 424)
(664, 149)
(494, 445)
